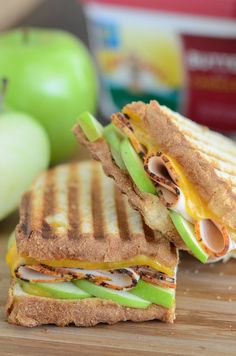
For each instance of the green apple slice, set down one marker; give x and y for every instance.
(92, 129)
(113, 138)
(59, 290)
(135, 168)
(154, 294)
(121, 297)
(186, 231)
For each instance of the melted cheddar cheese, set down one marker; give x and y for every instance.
(195, 205)
(14, 260)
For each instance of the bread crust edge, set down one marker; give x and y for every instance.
(32, 311)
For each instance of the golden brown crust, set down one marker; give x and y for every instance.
(57, 224)
(31, 311)
(155, 214)
(216, 191)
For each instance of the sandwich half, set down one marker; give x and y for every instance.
(174, 171)
(81, 255)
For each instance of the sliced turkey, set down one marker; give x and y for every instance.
(213, 237)
(162, 172)
(118, 279)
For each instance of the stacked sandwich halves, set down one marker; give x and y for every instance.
(83, 256)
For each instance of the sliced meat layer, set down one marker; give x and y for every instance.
(162, 172)
(118, 279)
(31, 274)
(148, 274)
(214, 238)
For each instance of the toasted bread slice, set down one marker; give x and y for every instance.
(207, 158)
(154, 213)
(74, 212)
(28, 310)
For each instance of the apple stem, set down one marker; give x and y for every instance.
(25, 34)
(3, 90)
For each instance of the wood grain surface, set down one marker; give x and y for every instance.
(205, 324)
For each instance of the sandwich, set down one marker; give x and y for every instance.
(81, 255)
(180, 176)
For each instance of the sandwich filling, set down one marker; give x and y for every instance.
(174, 189)
(155, 172)
(136, 286)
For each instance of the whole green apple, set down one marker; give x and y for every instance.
(24, 153)
(51, 77)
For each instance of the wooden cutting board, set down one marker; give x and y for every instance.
(205, 324)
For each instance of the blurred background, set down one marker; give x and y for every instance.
(64, 14)
(181, 53)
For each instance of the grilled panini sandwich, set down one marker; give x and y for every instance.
(83, 256)
(171, 169)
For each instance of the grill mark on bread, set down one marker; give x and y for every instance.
(26, 206)
(202, 134)
(48, 205)
(148, 232)
(196, 155)
(86, 247)
(224, 162)
(73, 211)
(121, 216)
(97, 207)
